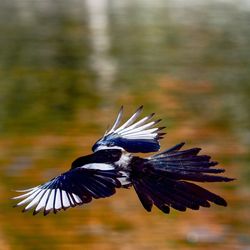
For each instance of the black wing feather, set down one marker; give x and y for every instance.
(73, 188)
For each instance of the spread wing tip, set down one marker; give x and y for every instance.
(70, 189)
(133, 134)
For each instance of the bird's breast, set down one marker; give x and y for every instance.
(124, 161)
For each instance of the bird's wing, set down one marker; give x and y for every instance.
(70, 189)
(133, 136)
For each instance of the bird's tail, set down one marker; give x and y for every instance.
(163, 180)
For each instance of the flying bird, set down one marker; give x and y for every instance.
(164, 180)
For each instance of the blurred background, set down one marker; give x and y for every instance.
(65, 69)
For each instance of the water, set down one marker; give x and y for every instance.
(67, 67)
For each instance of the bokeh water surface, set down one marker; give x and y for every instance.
(65, 69)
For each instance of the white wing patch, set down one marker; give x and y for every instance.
(100, 166)
(141, 129)
(125, 180)
(58, 201)
(48, 199)
(50, 203)
(42, 202)
(72, 188)
(65, 200)
(77, 199)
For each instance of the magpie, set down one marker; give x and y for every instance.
(165, 180)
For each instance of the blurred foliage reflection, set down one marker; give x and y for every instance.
(67, 66)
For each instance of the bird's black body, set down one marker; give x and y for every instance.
(162, 180)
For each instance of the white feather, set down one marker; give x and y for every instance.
(146, 131)
(139, 129)
(58, 203)
(26, 190)
(100, 166)
(145, 137)
(130, 120)
(124, 160)
(125, 179)
(71, 200)
(25, 195)
(139, 123)
(107, 147)
(50, 202)
(29, 198)
(65, 199)
(42, 202)
(77, 198)
(117, 121)
(35, 200)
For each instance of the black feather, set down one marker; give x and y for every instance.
(163, 179)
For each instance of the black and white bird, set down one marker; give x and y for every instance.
(162, 179)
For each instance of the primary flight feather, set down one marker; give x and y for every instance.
(162, 180)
